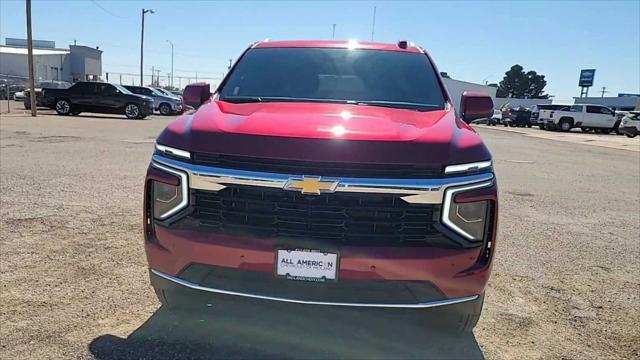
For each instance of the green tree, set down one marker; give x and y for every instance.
(518, 84)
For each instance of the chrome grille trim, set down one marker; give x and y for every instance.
(419, 191)
(421, 305)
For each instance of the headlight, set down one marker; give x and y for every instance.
(169, 199)
(469, 218)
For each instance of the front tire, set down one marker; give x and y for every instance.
(132, 111)
(63, 107)
(165, 109)
(630, 135)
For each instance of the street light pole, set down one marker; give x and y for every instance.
(32, 85)
(142, 45)
(171, 82)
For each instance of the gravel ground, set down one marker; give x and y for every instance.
(74, 282)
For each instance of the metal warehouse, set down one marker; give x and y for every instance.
(50, 63)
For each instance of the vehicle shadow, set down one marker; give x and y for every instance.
(273, 330)
(107, 116)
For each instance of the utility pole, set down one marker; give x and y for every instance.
(604, 90)
(142, 45)
(171, 82)
(32, 85)
(373, 25)
(153, 74)
(333, 33)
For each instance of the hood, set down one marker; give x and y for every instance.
(327, 132)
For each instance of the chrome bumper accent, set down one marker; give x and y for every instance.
(428, 304)
(420, 191)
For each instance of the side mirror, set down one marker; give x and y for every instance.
(475, 105)
(196, 94)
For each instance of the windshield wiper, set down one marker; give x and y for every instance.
(241, 99)
(400, 105)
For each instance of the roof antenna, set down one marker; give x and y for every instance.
(373, 25)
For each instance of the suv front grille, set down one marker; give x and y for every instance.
(297, 167)
(338, 218)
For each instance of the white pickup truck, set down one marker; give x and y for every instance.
(587, 117)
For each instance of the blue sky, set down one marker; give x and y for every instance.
(472, 41)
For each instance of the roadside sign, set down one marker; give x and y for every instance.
(586, 77)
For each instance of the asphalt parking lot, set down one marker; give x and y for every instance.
(74, 279)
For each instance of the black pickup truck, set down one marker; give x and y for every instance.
(97, 97)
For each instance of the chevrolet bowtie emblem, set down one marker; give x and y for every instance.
(311, 185)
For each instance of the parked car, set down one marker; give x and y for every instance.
(13, 90)
(496, 118)
(51, 84)
(292, 185)
(586, 117)
(630, 124)
(519, 117)
(490, 121)
(168, 93)
(165, 104)
(19, 95)
(97, 97)
(535, 113)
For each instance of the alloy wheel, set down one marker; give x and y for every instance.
(63, 107)
(132, 111)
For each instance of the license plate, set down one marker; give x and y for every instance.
(306, 265)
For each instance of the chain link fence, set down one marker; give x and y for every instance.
(164, 81)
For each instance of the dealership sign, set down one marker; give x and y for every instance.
(586, 77)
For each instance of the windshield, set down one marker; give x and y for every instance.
(158, 92)
(162, 92)
(370, 77)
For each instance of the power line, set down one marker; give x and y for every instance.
(109, 12)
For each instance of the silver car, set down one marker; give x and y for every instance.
(166, 105)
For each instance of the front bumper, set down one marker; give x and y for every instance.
(368, 276)
(175, 107)
(631, 130)
(354, 293)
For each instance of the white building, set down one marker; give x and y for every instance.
(457, 87)
(50, 63)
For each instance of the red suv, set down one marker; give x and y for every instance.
(326, 173)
